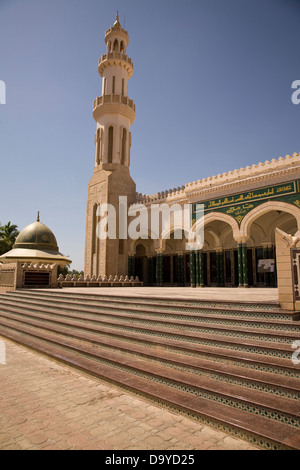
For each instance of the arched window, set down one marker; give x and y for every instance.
(116, 46)
(122, 49)
(110, 143)
(94, 225)
(124, 141)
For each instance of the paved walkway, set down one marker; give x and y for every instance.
(222, 294)
(46, 405)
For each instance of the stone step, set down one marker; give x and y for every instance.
(221, 329)
(202, 318)
(267, 359)
(269, 423)
(228, 367)
(237, 309)
(259, 344)
(252, 379)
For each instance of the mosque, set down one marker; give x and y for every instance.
(242, 208)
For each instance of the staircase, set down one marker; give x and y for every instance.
(227, 365)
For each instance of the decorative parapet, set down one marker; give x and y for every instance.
(119, 29)
(115, 58)
(114, 99)
(217, 180)
(175, 192)
(114, 104)
(101, 281)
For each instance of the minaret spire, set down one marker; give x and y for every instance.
(117, 22)
(38, 216)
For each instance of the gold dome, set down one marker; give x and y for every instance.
(36, 236)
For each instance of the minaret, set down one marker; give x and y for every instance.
(114, 114)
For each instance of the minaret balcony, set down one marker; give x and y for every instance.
(114, 104)
(115, 58)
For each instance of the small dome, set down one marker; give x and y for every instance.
(36, 236)
(117, 23)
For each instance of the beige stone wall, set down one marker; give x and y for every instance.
(102, 257)
(284, 245)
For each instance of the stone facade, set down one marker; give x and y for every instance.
(242, 208)
(19, 275)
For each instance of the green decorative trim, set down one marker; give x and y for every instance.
(239, 205)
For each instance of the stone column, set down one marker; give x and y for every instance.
(266, 256)
(242, 261)
(192, 269)
(159, 269)
(220, 268)
(181, 264)
(150, 270)
(130, 262)
(240, 264)
(180, 272)
(197, 266)
(201, 268)
(245, 264)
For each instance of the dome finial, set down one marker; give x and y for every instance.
(38, 216)
(117, 22)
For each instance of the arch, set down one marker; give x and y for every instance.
(214, 216)
(285, 220)
(150, 245)
(116, 46)
(141, 249)
(263, 209)
(226, 238)
(110, 144)
(167, 234)
(124, 145)
(215, 237)
(122, 47)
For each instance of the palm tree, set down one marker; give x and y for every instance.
(8, 235)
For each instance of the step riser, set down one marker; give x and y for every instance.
(140, 322)
(99, 345)
(270, 414)
(181, 349)
(243, 310)
(237, 432)
(64, 306)
(171, 352)
(184, 337)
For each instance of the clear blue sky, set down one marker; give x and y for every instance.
(212, 88)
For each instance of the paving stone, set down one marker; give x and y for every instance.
(41, 417)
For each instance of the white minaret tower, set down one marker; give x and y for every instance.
(114, 112)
